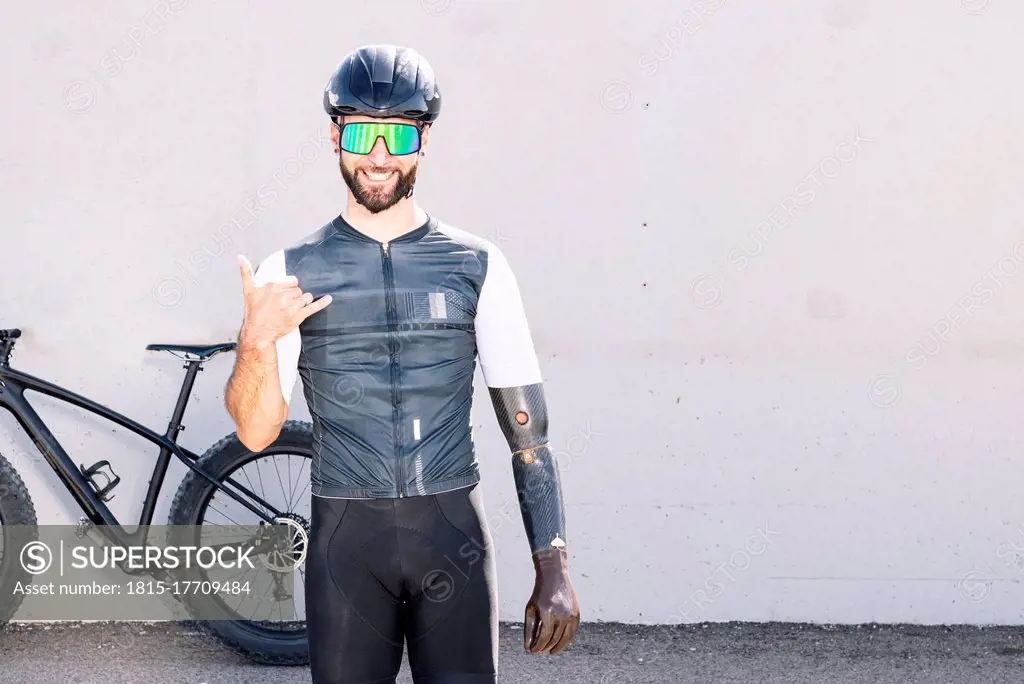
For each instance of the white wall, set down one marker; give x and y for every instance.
(815, 420)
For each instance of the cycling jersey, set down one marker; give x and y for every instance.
(387, 368)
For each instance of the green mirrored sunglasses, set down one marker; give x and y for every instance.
(360, 137)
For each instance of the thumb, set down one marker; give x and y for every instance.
(247, 276)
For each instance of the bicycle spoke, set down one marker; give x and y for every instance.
(291, 495)
(304, 490)
(259, 476)
(243, 471)
(288, 504)
(282, 587)
(278, 471)
(298, 480)
(235, 522)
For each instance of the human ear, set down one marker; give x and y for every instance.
(424, 140)
(335, 137)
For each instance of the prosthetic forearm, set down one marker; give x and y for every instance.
(522, 415)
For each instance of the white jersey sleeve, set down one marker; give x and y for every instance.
(503, 340)
(289, 346)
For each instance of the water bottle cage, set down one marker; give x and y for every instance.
(102, 489)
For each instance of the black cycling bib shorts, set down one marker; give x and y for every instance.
(419, 571)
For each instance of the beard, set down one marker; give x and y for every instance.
(377, 198)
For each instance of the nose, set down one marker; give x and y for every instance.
(379, 154)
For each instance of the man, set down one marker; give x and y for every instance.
(381, 313)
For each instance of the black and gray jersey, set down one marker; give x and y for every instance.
(387, 367)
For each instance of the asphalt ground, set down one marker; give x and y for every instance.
(603, 653)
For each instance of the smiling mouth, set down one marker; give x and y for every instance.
(377, 177)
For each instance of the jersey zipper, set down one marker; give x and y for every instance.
(396, 399)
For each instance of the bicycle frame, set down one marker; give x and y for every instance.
(13, 384)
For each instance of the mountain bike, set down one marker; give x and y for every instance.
(219, 471)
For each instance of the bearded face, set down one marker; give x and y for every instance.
(378, 180)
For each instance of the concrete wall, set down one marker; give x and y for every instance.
(770, 252)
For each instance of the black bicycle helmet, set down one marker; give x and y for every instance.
(383, 81)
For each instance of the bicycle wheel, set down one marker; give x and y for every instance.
(280, 475)
(17, 528)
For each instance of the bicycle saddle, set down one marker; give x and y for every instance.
(202, 351)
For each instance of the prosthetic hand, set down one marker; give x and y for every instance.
(553, 612)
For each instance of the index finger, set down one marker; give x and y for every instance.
(246, 268)
(547, 632)
(316, 306)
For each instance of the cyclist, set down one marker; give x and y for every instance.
(382, 313)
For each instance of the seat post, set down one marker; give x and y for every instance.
(6, 346)
(193, 367)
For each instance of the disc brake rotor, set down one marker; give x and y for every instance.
(289, 553)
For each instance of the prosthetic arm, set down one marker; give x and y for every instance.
(513, 378)
(553, 613)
